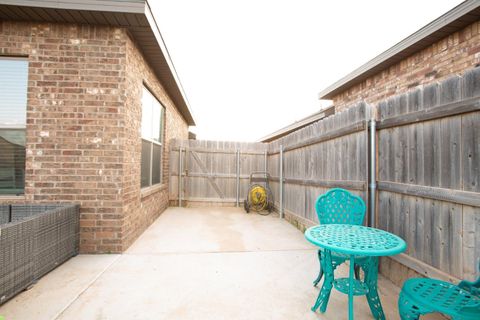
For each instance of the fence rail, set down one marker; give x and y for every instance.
(336, 133)
(346, 184)
(443, 194)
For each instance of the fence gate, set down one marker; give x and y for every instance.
(216, 172)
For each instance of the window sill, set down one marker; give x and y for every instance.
(147, 191)
(6, 197)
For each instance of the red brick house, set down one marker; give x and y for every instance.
(89, 92)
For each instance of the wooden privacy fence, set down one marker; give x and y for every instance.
(425, 186)
(327, 154)
(429, 175)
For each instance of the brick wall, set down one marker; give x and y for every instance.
(452, 55)
(83, 126)
(141, 209)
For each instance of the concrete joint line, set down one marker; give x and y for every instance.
(214, 252)
(59, 314)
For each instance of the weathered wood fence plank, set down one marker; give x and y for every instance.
(429, 169)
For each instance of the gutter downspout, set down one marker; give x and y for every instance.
(237, 155)
(280, 175)
(372, 187)
(180, 176)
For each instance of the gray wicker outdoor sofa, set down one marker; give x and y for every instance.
(34, 239)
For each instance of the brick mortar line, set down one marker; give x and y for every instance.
(61, 312)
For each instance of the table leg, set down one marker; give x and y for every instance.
(350, 287)
(371, 280)
(324, 295)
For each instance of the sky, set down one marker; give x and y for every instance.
(251, 67)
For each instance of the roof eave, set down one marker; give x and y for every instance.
(160, 60)
(184, 105)
(131, 6)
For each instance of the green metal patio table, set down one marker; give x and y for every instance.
(353, 240)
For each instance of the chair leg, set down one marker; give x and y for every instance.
(320, 273)
(324, 295)
(371, 278)
(357, 272)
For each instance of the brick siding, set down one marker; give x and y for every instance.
(141, 209)
(83, 126)
(452, 55)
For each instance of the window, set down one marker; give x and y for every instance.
(13, 114)
(152, 139)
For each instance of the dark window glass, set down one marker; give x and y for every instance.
(13, 111)
(146, 160)
(156, 163)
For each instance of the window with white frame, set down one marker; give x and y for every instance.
(153, 114)
(13, 114)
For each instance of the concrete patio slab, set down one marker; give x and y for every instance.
(195, 263)
(58, 289)
(251, 285)
(181, 230)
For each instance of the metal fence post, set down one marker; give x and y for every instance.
(265, 162)
(180, 176)
(373, 175)
(238, 176)
(280, 175)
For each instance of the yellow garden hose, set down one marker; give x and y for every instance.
(258, 197)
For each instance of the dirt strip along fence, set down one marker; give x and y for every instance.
(427, 173)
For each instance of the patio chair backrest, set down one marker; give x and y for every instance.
(340, 206)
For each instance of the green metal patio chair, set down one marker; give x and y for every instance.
(341, 207)
(420, 296)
